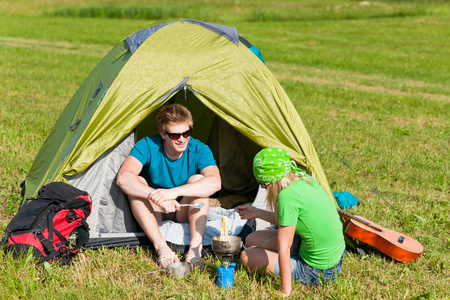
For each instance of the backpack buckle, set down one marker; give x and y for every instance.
(71, 216)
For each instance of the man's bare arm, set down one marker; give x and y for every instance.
(128, 179)
(202, 188)
(205, 187)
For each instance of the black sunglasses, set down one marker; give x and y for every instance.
(264, 185)
(176, 136)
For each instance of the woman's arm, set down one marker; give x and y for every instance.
(250, 212)
(285, 238)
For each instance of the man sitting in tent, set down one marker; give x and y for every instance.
(166, 170)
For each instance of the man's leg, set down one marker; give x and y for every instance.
(197, 218)
(148, 215)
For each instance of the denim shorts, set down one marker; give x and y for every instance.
(307, 275)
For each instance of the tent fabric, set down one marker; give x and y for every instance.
(52, 157)
(110, 212)
(135, 40)
(201, 65)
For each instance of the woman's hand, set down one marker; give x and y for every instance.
(283, 293)
(247, 212)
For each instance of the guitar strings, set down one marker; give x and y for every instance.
(376, 192)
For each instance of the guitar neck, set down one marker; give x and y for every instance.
(353, 217)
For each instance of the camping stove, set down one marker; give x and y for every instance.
(227, 259)
(227, 251)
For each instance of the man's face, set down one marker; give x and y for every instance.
(176, 145)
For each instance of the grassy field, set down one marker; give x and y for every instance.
(369, 79)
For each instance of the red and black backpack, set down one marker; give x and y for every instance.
(53, 225)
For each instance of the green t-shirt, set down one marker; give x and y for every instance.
(308, 207)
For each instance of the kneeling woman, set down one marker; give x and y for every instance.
(309, 238)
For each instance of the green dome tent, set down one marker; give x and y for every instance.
(237, 104)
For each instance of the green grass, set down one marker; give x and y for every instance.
(371, 83)
(263, 13)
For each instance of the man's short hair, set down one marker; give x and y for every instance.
(173, 114)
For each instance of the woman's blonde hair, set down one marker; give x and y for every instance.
(274, 189)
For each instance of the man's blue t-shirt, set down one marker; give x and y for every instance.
(163, 172)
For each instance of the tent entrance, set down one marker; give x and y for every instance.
(111, 220)
(232, 151)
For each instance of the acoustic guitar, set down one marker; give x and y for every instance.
(396, 245)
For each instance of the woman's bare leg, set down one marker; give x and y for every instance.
(259, 236)
(259, 259)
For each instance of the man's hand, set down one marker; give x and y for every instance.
(247, 212)
(159, 196)
(170, 206)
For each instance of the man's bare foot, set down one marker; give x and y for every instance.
(167, 257)
(194, 257)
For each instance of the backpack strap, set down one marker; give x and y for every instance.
(62, 237)
(48, 243)
(51, 228)
(50, 250)
(83, 235)
(48, 246)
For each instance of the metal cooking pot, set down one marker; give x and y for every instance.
(178, 269)
(231, 247)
